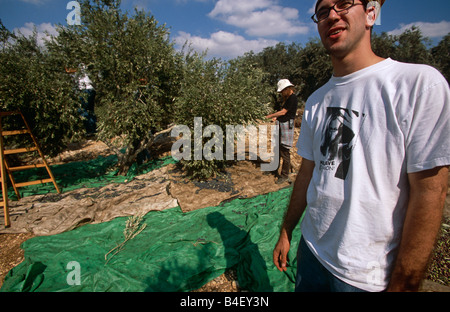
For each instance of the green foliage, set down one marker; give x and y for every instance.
(441, 56)
(384, 45)
(134, 69)
(408, 47)
(221, 93)
(412, 47)
(307, 67)
(279, 61)
(315, 67)
(30, 82)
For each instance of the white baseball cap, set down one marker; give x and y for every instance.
(283, 84)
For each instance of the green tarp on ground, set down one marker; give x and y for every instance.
(175, 252)
(98, 172)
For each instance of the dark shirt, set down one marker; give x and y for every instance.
(290, 105)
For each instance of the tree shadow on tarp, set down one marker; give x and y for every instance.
(242, 253)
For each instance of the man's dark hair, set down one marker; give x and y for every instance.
(364, 2)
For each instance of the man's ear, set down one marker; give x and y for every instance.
(371, 16)
(373, 9)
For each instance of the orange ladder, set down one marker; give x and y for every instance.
(7, 170)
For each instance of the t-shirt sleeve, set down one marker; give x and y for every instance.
(305, 140)
(428, 140)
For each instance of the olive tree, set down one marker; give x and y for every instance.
(221, 94)
(135, 71)
(441, 56)
(31, 83)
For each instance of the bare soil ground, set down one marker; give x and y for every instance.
(11, 254)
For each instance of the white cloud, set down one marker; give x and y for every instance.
(223, 44)
(270, 22)
(231, 7)
(259, 17)
(147, 4)
(432, 30)
(44, 31)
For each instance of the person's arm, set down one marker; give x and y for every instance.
(293, 215)
(277, 114)
(428, 190)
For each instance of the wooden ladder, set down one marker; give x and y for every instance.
(7, 170)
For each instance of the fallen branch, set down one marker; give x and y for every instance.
(133, 228)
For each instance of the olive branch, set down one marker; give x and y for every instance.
(133, 228)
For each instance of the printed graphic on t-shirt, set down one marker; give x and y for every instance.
(339, 139)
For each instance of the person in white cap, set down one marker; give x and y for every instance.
(285, 119)
(376, 154)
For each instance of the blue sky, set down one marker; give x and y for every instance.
(229, 28)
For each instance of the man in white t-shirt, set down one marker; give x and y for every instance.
(376, 150)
